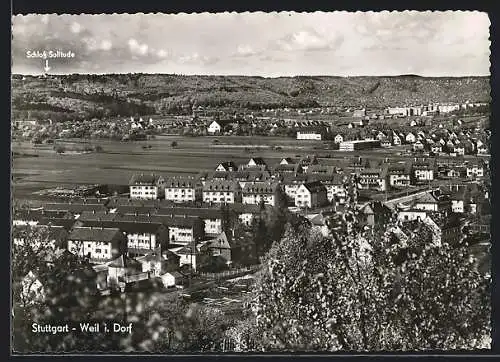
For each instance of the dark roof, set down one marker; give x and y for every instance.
(63, 222)
(181, 182)
(221, 185)
(129, 227)
(286, 167)
(144, 179)
(124, 261)
(240, 208)
(334, 179)
(260, 188)
(228, 164)
(73, 207)
(99, 215)
(204, 213)
(315, 186)
(93, 234)
(259, 161)
(322, 169)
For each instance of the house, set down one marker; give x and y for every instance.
(436, 148)
(459, 149)
(372, 179)
(338, 138)
(228, 166)
(286, 161)
(291, 183)
(381, 136)
(190, 255)
(447, 228)
(156, 263)
(211, 217)
(418, 146)
(311, 133)
(411, 214)
(422, 172)
(219, 246)
(182, 230)
(257, 162)
(171, 279)
(182, 189)
(475, 170)
(283, 169)
(217, 126)
(410, 138)
(335, 189)
(399, 175)
(146, 186)
(247, 213)
(396, 140)
(321, 170)
(257, 192)
(123, 270)
(432, 201)
(221, 191)
(311, 194)
(374, 214)
(98, 244)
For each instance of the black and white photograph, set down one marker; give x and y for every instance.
(251, 182)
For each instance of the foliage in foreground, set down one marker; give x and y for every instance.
(367, 290)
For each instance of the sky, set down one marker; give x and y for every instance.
(452, 43)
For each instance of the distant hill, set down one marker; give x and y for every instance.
(81, 95)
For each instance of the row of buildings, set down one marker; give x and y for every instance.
(254, 183)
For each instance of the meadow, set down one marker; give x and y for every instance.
(118, 161)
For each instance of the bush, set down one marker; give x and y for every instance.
(174, 144)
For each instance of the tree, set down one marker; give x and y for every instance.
(368, 289)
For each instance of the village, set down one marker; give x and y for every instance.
(180, 233)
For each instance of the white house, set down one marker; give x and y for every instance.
(214, 128)
(257, 192)
(171, 279)
(475, 170)
(310, 133)
(338, 138)
(98, 244)
(311, 194)
(410, 138)
(221, 191)
(182, 189)
(146, 186)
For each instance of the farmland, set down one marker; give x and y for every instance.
(119, 160)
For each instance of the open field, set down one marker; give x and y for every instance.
(119, 160)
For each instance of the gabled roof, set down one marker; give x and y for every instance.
(94, 234)
(314, 186)
(124, 261)
(144, 179)
(221, 185)
(181, 182)
(73, 207)
(428, 197)
(228, 165)
(220, 241)
(260, 188)
(259, 161)
(65, 223)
